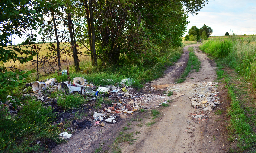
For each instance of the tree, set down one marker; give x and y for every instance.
(226, 34)
(192, 38)
(194, 32)
(204, 35)
(187, 38)
(207, 29)
(16, 17)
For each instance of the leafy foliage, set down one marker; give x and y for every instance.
(197, 34)
(208, 30)
(194, 31)
(21, 133)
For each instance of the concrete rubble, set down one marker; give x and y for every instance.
(205, 96)
(202, 95)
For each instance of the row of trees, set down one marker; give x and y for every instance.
(195, 34)
(122, 29)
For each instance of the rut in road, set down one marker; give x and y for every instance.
(176, 131)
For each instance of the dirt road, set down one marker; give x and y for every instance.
(176, 131)
(180, 128)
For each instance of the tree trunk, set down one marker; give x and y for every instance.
(89, 29)
(94, 59)
(73, 42)
(57, 40)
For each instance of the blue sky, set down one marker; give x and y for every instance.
(233, 16)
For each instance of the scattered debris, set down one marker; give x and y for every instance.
(205, 96)
(111, 119)
(37, 86)
(65, 135)
(98, 116)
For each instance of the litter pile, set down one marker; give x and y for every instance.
(205, 96)
(124, 100)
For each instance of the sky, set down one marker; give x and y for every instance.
(233, 16)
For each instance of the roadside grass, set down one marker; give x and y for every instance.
(193, 63)
(170, 93)
(240, 85)
(155, 113)
(112, 75)
(242, 113)
(237, 52)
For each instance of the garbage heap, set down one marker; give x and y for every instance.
(204, 95)
(125, 101)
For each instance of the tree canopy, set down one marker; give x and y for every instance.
(121, 27)
(196, 34)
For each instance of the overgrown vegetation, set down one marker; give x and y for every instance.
(235, 52)
(133, 39)
(30, 130)
(70, 101)
(193, 64)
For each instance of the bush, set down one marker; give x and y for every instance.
(236, 52)
(21, 133)
(187, 38)
(217, 48)
(192, 38)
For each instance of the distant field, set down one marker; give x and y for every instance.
(44, 67)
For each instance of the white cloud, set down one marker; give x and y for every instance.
(234, 16)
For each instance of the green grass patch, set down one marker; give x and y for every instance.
(218, 112)
(70, 101)
(242, 114)
(193, 63)
(165, 105)
(155, 113)
(170, 93)
(150, 123)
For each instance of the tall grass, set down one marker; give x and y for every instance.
(238, 53)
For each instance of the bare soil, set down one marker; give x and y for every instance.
(174, 130)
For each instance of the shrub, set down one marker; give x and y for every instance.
(21, 133)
